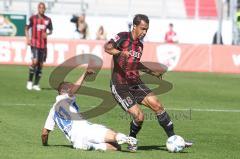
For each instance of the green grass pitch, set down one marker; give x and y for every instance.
(205, 108)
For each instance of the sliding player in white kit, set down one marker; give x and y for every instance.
(81, 133)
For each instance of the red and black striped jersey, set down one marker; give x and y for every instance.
(39, 26)
(125, 69)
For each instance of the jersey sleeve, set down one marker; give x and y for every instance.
(50, 123)
(50, 26)
(117, 40)
(30, 23)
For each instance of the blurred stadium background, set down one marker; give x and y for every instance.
(195, 21)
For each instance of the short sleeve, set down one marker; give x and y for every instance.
(30, 22)
(116, 40)
(50, 26)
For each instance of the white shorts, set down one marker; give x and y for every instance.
(89, 136)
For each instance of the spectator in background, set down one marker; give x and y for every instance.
(215, 39)
(101, 34)
(171, 35)
(237, 14)
(81, 31)
(129, 26)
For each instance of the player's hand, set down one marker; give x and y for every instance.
(125, 53)
(44, 136)
(44, 140)
(44, 35)
(28, 41)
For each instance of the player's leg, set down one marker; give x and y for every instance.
(164, 119)
(38, 71)
(105, 146)
(147, 97)
(38, 75)
(32, 68)
(138, 118)
(128, 103)
(119, 138)
(112, 139)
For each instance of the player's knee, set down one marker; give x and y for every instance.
(139, 118)
(34, 65)
(156, 106)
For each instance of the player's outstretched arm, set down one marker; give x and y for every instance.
(44, 136)
(79, 82)
(147, 70)
(27, 35)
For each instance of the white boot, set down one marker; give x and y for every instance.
(29, 85)
(36, 88)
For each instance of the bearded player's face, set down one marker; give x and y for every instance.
(141, 29)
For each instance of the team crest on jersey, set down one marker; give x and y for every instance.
(116, 38)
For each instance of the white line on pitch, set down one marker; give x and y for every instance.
(205, 110)
(20, 104)
(177, 109)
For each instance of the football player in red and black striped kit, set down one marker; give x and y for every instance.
(126, 85)
(39, 24)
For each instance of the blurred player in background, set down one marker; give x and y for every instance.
(171, 35)
(126, 85)
(39, 24)
(81, 133)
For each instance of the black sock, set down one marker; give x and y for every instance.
(134, 129)
(31, 73)
(38, 75)
(165, 121)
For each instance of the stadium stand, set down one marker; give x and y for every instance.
(206, 8)
(153, 8)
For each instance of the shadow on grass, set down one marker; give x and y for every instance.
(68, 146)
(47, 89)
(156, 147)
(153, 147)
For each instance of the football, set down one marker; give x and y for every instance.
(175, 143)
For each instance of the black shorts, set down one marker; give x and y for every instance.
(39, 54)
(129, 95)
